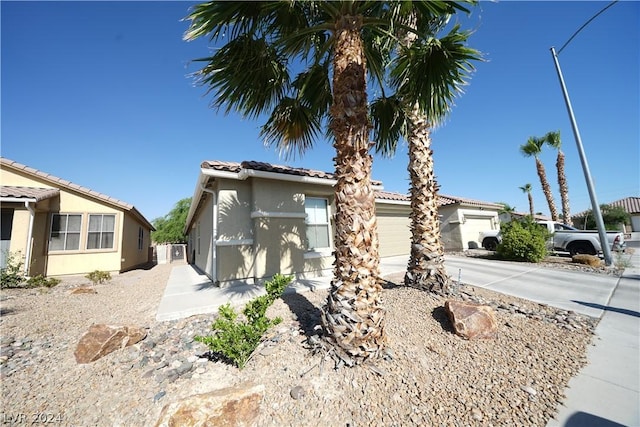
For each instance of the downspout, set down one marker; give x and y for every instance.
(214, 232)
(27, 256)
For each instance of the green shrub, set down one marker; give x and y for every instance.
(237, 339)
(99, 277)
(40, 281)
(523, 240)
(12, 275)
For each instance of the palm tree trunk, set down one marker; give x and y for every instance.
(353, 315)
(546, 189)
(531, 210)
(564, 189)
(426, 263)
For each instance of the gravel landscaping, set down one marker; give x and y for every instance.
(432, 376)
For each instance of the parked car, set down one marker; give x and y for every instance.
(565, 239)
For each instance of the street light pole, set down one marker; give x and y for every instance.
(595, 207)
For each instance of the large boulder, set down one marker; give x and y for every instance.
(101, 340)
(472, 320)
(233, 407)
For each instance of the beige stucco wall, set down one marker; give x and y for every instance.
(460, 225)
(260, 231)
(131, 255)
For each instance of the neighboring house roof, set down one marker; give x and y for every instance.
(629, 204)
(63, 183)
(27, 193)
(442, 200)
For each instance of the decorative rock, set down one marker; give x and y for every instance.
(472, 320)
(297, 392)
(83, 290)
(233, 406)
(101, 340)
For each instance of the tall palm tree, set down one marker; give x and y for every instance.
(446, 65)
(527, 189)
(553, 139)
(533, 147)
(253, 73)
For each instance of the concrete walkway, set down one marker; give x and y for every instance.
(606, 392)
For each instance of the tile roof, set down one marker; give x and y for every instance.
(629, 204)
(442, 199)
(10, 191)
(59, 182)
(396, 197)
(445, 200)
(236, 167)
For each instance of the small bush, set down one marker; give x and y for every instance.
(236, 339)
(40, 281)
(523, 240)
(12, 275)
(99, 277)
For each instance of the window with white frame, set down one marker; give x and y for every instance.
(101, 231)
(317, 221)
(65, 232)
(140, 238)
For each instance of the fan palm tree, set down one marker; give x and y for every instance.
(553, 139)
(527, 189)
(335, 44)
(447, 64)
(533, 147)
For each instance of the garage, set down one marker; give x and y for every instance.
(473, 225)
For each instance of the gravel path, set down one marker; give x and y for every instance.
(434, 377)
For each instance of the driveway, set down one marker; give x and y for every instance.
(585, 293)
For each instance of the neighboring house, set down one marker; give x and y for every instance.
(61, 228)
(630, 204)
(251, 220)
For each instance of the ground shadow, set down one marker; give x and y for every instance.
(308, 315)
(440, 314)
(387, 284)
(583, 419)
(607, 308)
(6, 311)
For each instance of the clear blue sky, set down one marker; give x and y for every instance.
(98, 93)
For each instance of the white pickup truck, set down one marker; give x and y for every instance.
(565, 239)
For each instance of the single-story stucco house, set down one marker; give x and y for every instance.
(61, 228)
(251, 220)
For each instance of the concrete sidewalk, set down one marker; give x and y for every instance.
(605, 393)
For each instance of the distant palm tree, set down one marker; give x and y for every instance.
(553, 139)
(446, 65)
(533, 147)
(527, 189)
(506, 209)
(253, 73)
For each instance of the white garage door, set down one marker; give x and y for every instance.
(472, 226)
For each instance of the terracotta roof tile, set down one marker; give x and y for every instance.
(54, 180)
(629, 204)
(396, 197)
(268, 167)
(36, 193)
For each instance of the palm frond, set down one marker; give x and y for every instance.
(292, 127)
(533, 147)
(246, 74)
(389, 124)
(433, 72)
(553, 139)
